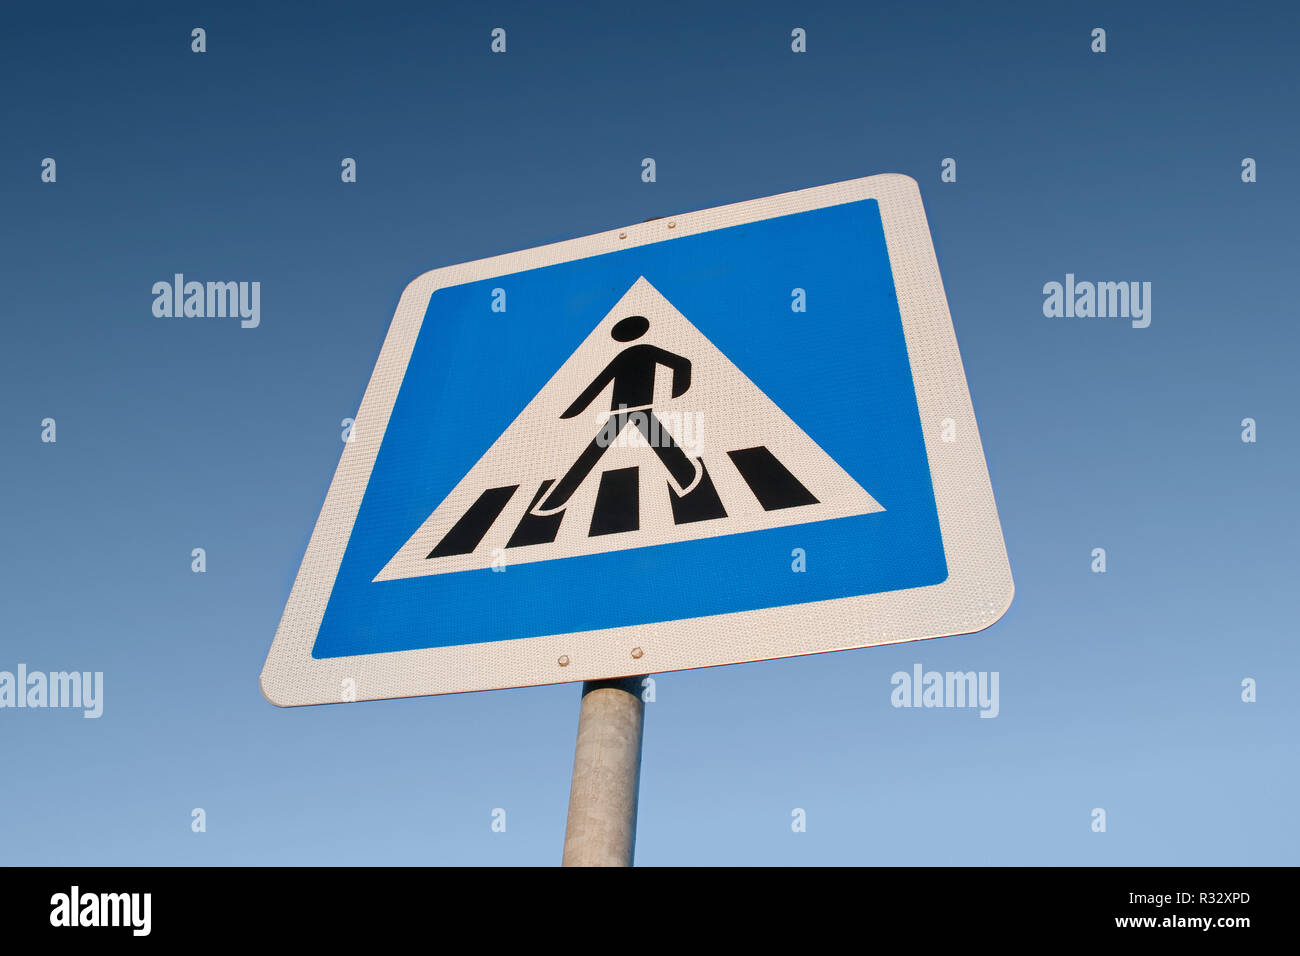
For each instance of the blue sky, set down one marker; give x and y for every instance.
(1119, 691)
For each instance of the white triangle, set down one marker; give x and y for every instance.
(721, 411)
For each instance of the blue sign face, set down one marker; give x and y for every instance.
(839, 370)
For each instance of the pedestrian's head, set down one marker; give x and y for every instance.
(633, 327)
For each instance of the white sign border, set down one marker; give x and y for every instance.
(977, 592)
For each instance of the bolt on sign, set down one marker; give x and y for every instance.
(737, 434)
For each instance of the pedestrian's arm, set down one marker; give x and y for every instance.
(681, 369)
(590, 392)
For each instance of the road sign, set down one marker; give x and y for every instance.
(732, 435)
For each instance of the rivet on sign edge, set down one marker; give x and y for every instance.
(671, 225)
(564, 660)
(637, 652)
(622, 235)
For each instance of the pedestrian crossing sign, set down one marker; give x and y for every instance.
(732, 435)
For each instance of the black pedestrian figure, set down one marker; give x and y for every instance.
(633, 373)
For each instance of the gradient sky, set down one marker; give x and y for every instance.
(1119, 691)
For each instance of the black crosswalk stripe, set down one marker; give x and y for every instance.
(618, 503)
(701, 503)
(536, 529)
(466, 533)
(770, 481)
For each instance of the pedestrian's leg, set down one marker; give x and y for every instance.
(685, 472)
(579, 470)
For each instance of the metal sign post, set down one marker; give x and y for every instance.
(606, 774)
